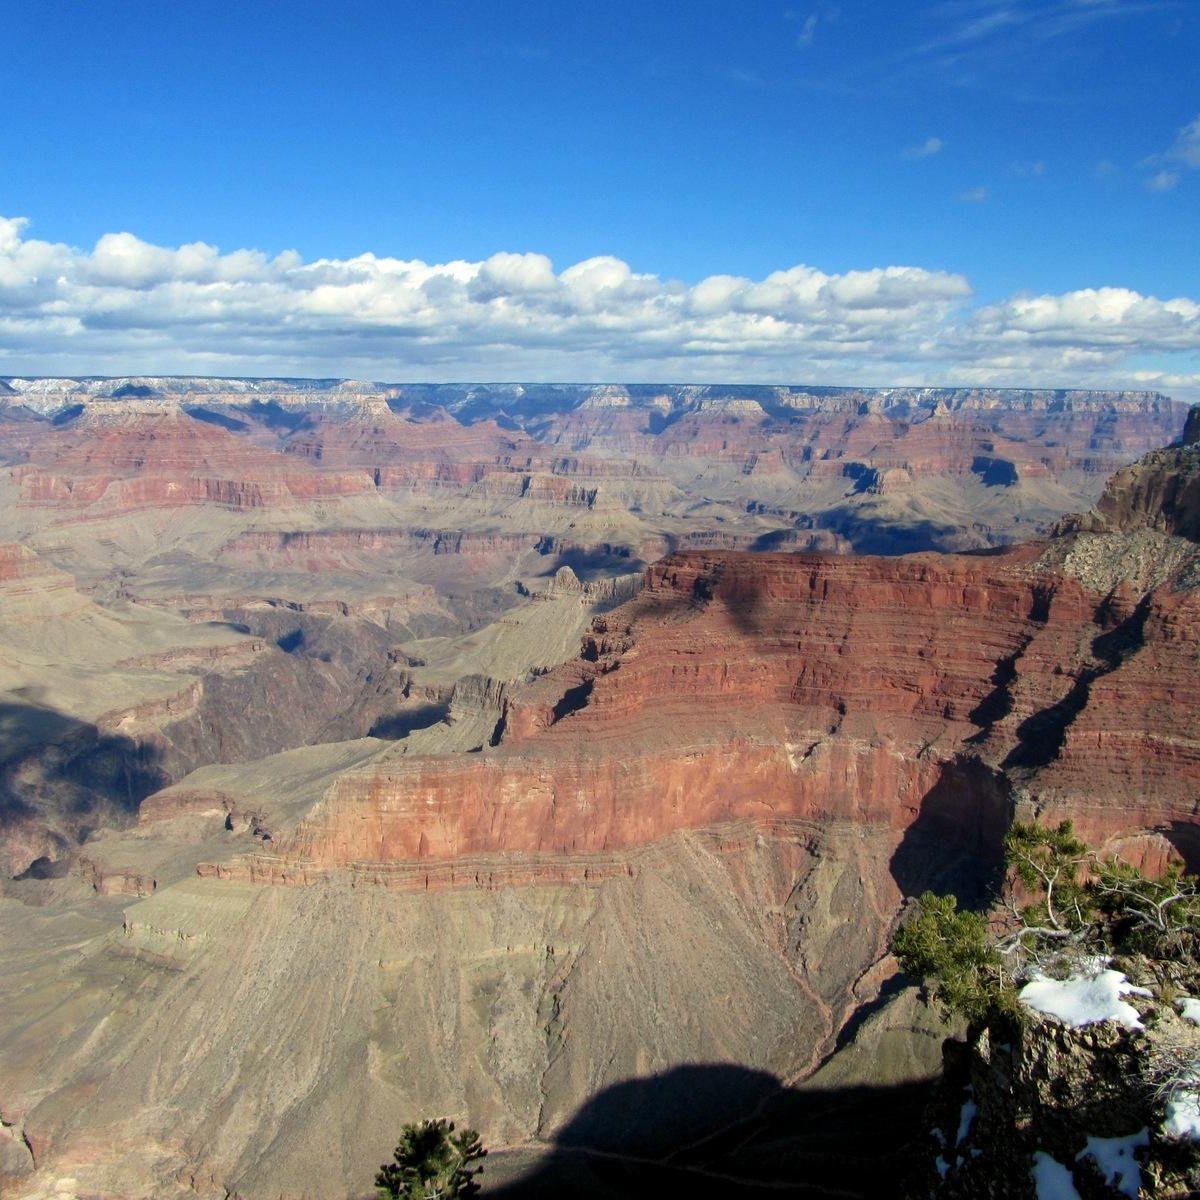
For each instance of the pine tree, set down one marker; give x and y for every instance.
(432, 1162)
(1064, 907)
(953, 952)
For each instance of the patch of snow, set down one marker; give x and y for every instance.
(1086, 999)
(1051, 1179)
(969, 1109)
(1189, 1008)
(1183, 1116)
(1115, 1158)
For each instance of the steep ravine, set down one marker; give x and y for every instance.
(339, 680)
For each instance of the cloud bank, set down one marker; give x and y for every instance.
(127, 306)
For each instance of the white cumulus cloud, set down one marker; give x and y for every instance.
(129, 306)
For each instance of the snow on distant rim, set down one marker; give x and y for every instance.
(1085, 1000)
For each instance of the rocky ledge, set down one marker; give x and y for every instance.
(1045, 1105)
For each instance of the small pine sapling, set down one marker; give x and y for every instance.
(432, 1162)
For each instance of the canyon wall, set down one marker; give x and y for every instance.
(564, 887)
(874, 470)
(794, 688)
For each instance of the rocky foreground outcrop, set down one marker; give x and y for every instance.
(1043, 1102)
(1159, 492)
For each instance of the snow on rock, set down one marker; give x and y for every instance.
(969, 1109)
(1183, 1105)
(1183, 1115)
(1085, 1000)
(1190, 1009)
(950, 1155)
(1051, 1179)
(1115, 1158)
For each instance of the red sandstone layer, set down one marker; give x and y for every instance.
(804, 688)
(168, 459)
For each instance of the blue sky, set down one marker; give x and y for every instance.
(1003, 191)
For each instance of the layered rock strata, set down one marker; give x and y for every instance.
(793, 688)
(685, 846)
(154, 456)
(885, 470)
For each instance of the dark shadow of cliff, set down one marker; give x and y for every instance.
(999, 702)
(67, 777)
(667, 604)
(1185, 837)
(222, 420)
(402, 722)
(890, 536)
(589, 562)
(1042, 735)
(776, 541)
(956, 843)
(721, 1131)
(744, 605)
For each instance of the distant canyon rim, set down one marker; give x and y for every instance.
(557, 758)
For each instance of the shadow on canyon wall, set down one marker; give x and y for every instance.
(1185, 837)
(868, 533)
(956, 844)
(402, 722)
(722, 1131)
(61, 778)
(589, 562)
(1042, 735)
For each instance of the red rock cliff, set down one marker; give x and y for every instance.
(800, 688)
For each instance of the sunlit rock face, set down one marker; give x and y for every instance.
(804, 688)
(132, 455)
(688, 845)
(876, 470)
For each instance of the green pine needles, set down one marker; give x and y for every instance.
(1062, 904)
(432, 1162)
(953, 953)
(1050, 864)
